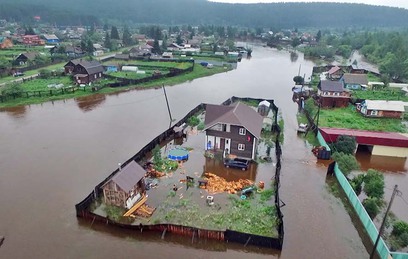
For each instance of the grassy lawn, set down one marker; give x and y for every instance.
(42, 84)
(386, 94)
(165, 64)
(351, 119)
(130, 74)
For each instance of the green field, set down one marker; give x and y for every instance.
(386, 94)
(42, 84)
(351, 119)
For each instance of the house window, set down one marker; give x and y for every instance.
(95, 76)
(326, 93)
(374, 113)
(242, 131)
(241, 147)
(337, 94)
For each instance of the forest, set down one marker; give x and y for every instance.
(202, 12)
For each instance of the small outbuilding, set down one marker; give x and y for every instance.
(126, 187)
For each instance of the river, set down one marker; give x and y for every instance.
(53, 154)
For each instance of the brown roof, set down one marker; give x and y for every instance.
(129, 176)
(239, 115)
(360, 79)
(334, 70)
(29, 55)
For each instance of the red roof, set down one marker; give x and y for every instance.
(366, 137)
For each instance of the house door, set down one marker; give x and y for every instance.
(222, 144)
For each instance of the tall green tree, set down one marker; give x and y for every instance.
(107, 41)
(114, 33)
(156, 47)
(29, 31)
(179, 40)
(127, 37)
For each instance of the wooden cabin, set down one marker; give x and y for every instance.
(332, 94)
(126, 187)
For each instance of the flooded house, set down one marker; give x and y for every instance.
(332, 94)
(126, 187)
(234, 130)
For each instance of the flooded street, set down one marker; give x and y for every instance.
(54, 154)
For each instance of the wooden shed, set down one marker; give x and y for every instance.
(126, 187)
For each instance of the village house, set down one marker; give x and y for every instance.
(51, 39)
(354, 81)
(98, 49)
(332, 94)
(233, 129)
(384, 109)
(126, 187)
(5, 43)
(83, 71)
(32, 40)
(335, 73)
(24, 58)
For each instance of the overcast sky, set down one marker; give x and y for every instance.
(394, 3)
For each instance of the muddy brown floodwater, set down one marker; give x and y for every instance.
(53, 155)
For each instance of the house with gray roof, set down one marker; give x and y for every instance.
(233, 130)
(382, 108)
(354, 81)
(125, 187)
(332, 94)
(84, 71)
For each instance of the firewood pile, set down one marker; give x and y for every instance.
(218, 184)
(154, 174)
(144, 211)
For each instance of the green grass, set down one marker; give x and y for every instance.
(130, 75)
(351, 119)
(164, 64)
(386, 94)
(42, 84)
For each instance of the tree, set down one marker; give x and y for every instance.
(371, 206)
(344, 144)
(89, 47)
(374, 184)
(179, 40)
(29, 31)
(164, 43)
(295, 42)
(156, 47)
(346, 162)
(114, 33)
(357, 183)
(193, 121)
(298, 80)
(45, 73)
(107, 42)
(318, 36)
(399, 227)
(127, 37)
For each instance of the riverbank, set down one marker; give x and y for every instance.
(198, 72)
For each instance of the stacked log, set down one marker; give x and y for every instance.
(218, 184)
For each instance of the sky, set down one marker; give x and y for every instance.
(393, 3)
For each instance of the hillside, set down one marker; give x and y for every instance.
(196, 12)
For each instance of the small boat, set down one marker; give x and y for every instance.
(302, 128)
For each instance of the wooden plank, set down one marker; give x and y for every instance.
(136, 206)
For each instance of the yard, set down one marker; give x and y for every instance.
(187, 205)
(350, 118)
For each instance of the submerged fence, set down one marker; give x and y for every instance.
(83, 208)
(365, 219)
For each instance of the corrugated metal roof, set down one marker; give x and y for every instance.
(240, 115)
(331, 86)
(360, 79)
(381, 105)
(366, 137)
(129, 176)
(333, 70)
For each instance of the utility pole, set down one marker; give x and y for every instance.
(167, 102)
(383, 222)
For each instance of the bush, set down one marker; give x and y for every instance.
(193, 121)
(374, 184)
(12, 90)
(399, 228)
(357, 183)
(346, 162)
(371, 206)
(45, 73)
(345, 144)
